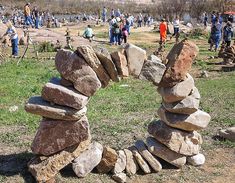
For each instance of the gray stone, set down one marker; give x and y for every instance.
(55, 135)
(58, 94)
(153, 162)
(36, 105)
(163, 152)
(135, 58)
(196, 160)
(182, 142)
(88, 160)
(75, 69)
(188, 122)
(120, 177)
(120, 165)
(228, 133)
(90, 57)
(152, 71)
(142, 163)
(177, 92)
(131, 164)
(154, 58)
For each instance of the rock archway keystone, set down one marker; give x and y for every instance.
(63, 136)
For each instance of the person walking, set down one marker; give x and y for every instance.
(216, 34)
(176, 25)
(228, 34)
(27, 14)
(163, 31)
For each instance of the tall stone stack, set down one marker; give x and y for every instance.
(180, 116)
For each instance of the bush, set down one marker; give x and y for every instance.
(46, 47)
(197, 33)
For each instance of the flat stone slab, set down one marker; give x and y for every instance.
(152, 71)
(163, 152)
(228, 133)
(188, 122)
(120, 177)
(141, 162)
(131, 163)
(45, 168)
(180, 60)
(153, 162)
(36, 105)
(92, 60)
(120, 165)
(188, 105)
(58, 94)
(182, 142)
(88, 160)
(177, 92)
(55, 135)
(75, 69)
(120, 62)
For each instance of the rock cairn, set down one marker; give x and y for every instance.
(63, 136)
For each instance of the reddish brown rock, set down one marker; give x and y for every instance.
(65, 82)
(45, 168)
(55, 135)
(65, 96)
(75, 69)
(90, 57)
(120, 62)
(180, 60)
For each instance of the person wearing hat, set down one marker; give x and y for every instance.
(228, 34)
(12, 33)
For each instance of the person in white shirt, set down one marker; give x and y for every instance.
(176, 25)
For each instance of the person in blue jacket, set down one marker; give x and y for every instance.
(228, 34)
(216, 34)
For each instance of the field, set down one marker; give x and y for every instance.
(118, 115)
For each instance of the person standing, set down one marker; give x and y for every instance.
(140, 20)
(35, 14)
(104, 14)
(163, 31)
(176, 25)
(27, 14)
(228, 34)
(216, 34)
(205, 20)
(12, 33)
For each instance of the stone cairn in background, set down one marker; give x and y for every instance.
(63, 136)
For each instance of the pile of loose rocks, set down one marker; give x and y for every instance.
(63, 136)
(228, 54)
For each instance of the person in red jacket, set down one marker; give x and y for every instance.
(163, 31)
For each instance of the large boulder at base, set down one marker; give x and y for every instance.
(88, 160)
(188, 122)
(182, 142)
(131, 163)
(142, 163)
(55, 135)
(177, 92)
(108, 160)
(153, 162)
(119, 177)
(120, 165)
(36, 105)
(180, 60)
(58, 94)
(75, 69)
(109, 66)
(90, 57)
(45, 168)
(163, 152)
(152, 71)
(135, 57)
(188, 105)
(120, 62)
(228, 133)
(196, 160)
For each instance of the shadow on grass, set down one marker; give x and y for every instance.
(16, 164)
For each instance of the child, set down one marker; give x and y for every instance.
(124, 34)
(88, 34)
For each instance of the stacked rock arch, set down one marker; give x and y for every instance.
(64, 135)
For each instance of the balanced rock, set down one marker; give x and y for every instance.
(65, 82)
(153, 162)
(188, 122)
(180, 60)
(188, 105)
(196, 160)
(88, 160)
(109, 66)
(182, 142)
(142, 163)
(119, 177)
(177, 92)
(163, 152)
(120, 165)
(120, 62)
(90, 57)
(45, 168)
(131, 164)
(135, 57)
(228, 133)
(108, 160)
(58, 94)
(36, 105)
(75, 69)
(55, 135)
(152, 71)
